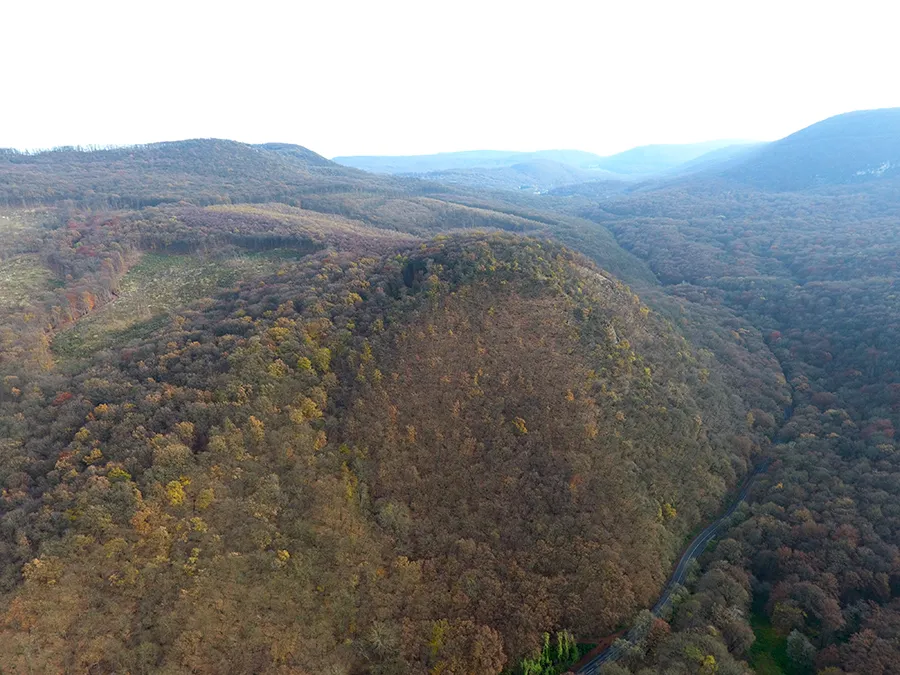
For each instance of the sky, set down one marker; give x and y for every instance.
(393, 78)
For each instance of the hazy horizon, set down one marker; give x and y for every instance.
(731, 141)
(110, 146)
(402, 79)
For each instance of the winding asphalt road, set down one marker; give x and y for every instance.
(696, 547)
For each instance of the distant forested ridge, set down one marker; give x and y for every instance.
(260, 412)
(548, 169)
(856, 147)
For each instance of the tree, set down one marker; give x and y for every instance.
(800, 651)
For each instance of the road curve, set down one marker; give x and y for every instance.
(693, 551)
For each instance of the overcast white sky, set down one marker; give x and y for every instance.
(418, 77)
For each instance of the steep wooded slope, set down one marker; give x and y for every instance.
(478, 440)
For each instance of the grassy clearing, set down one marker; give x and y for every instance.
(22, 279)
(155, 289)
(768, 655)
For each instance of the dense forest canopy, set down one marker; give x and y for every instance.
(260, 412)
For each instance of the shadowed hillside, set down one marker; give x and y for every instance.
(856, 147)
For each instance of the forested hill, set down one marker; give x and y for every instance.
(856, 147)
(200, 171)
(264, 414)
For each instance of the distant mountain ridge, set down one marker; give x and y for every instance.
(637, 162)
(649, 160)
(861, 147)
(468, 159)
